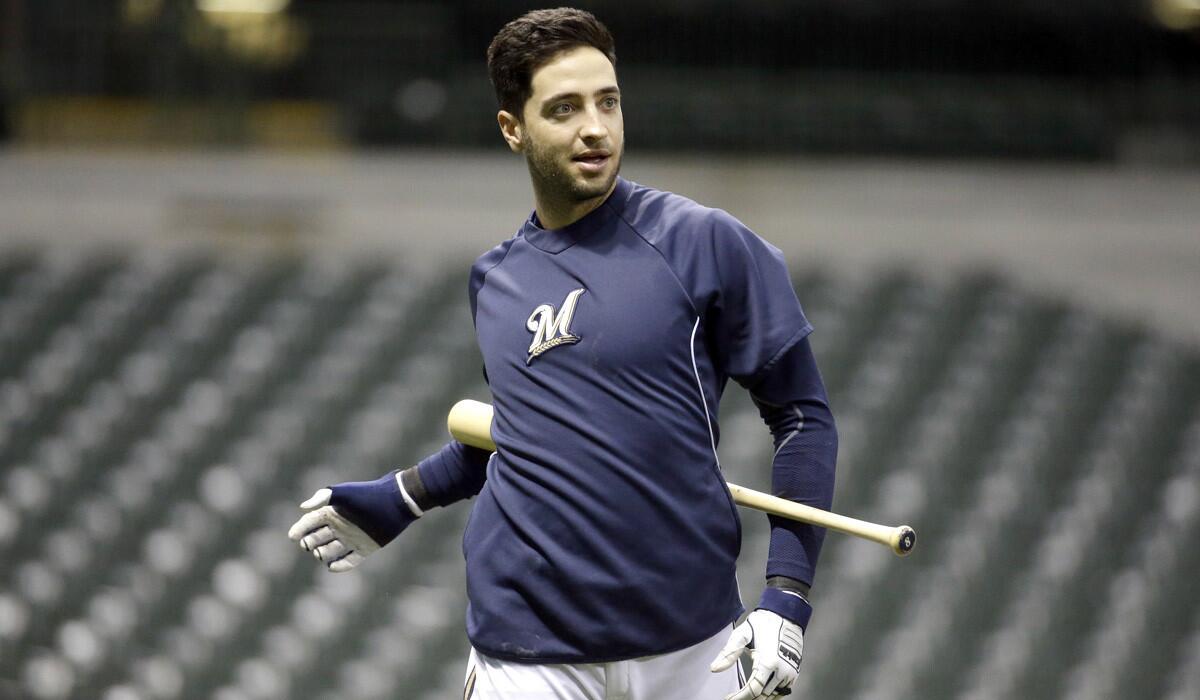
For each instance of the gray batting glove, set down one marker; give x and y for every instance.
(776, 646)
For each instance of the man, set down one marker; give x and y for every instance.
(601, 549)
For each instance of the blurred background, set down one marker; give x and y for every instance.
(1081, 79)
(234, 242)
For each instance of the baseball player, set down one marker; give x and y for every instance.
(602, 543)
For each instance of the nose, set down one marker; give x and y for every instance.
(593, 128)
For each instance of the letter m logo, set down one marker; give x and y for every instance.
(551, 329)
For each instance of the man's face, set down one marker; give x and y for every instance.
(573, 134)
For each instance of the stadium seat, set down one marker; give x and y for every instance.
(164, 413)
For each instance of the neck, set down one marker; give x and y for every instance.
(555, 213)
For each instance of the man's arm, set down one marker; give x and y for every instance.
(792, 401)
(453, 473)
(346, 522)
(759, 337)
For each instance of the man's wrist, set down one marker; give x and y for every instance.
(785, 583)
(788, 604)
(413, 489)
(376, 507)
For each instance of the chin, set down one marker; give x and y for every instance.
(594, 187)
(560, 181)
(591, 190)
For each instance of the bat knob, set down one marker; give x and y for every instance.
(903, 540)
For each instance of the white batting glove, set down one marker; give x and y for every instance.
(776, 645)
(346, 522)
(333, 540)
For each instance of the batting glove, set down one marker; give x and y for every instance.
(776, 644)
(347, 522)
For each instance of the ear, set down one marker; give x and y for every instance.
(511, 130)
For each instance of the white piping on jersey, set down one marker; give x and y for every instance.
(704, 402)
(711, 439)
(799, 427)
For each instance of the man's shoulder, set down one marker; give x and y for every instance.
(667, 219)
(493, 257)
(651, 209)
(483, 265)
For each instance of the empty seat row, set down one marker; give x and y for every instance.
(165, 413)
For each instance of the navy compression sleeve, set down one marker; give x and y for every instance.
(451, 474)
(791, 400)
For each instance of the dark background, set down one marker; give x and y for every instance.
(1079, 79)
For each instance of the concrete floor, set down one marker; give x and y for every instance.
(1122, 241)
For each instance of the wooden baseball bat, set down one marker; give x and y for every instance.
(470, 422)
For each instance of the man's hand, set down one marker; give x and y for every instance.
(347, 522)
(777, 645)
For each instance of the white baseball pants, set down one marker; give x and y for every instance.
(679, 675)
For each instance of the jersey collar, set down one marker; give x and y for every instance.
(558, 240)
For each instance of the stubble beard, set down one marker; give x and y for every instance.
(555, 182)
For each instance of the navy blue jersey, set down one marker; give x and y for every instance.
(603, 529)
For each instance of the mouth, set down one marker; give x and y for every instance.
(592, 161)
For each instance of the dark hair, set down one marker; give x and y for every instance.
(531, 40)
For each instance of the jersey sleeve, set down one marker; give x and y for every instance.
(755, 316)
(792, 401)
(454, 473)
(758, 334)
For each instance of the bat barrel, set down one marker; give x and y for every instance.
(903, 540)
(900, 540)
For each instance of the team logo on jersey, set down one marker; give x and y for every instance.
(550, 328)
